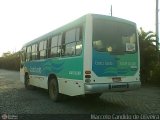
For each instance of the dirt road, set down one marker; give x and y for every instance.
(15, 99)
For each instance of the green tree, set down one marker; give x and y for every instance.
(148, 54)
(10, 61)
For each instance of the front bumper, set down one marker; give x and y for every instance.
(104, 87)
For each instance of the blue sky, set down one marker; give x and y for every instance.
(25, 20)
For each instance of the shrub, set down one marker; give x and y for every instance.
(11, 62)
(156, 74)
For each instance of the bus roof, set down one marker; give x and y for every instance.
(75, 23)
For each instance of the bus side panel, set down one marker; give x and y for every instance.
(70, 78)
(68, 70)
(39, 81)
(109, 79)
(69, 67)
(71, 87)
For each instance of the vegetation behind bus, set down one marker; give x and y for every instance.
(150, 66)
(10, 62)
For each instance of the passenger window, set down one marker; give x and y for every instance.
(79, 34)
(34, 52)
(54, 46)
(42, 49)
(79, 38)
(54, 52)
(49, 47)
(28, 57)
(70, 49)
(54, 41)
(59, 47)
(41, 45)
(70, 36)
(72, 42)
(78, 47)
(42, 54)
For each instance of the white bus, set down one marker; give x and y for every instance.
(89, 56)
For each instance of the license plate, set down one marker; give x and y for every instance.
(119, 86)
(116, 79)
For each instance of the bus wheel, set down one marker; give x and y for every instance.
(53, 90)
(26, 83)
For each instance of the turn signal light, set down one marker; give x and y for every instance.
(87, 72)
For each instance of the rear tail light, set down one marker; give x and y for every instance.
(87, 76)
(87, 72)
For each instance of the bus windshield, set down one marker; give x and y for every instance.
(113, 36)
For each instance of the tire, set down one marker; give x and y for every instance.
(54, 90)
(26, 83)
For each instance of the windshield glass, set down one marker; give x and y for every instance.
(114, 37)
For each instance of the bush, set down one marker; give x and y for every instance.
(11, 62)
(156, 74)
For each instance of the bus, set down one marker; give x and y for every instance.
(89, 56)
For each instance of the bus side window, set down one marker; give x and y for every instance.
(59, 45)
(54, 46)
(42, 49)
(49, 47)
(63, 44)
(79, 38)
(28, 56)
(70, 42)
(34, 52)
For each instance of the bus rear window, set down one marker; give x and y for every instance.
(114, 37)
